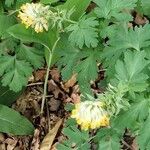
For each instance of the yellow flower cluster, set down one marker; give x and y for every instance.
(35, 15)
(90, 115)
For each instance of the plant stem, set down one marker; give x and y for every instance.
(47, 74)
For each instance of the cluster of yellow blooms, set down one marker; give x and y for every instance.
(90, 115)
(35, 15)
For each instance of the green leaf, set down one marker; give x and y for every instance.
(72, 60)
(87, 69)
(12, 122)
(75, 137)
(67, 57)
(123, 39)
(7, 45)
(145, 7)
(62, 147)
(48, 1)
(32, 55)
(112, 8)
(19, 3)
(84, 32)
(15, 73)
(144, 136)
(5, 23)
(136, 38)
(131, 72)
(79, 5)
(137, 112)
(108, 139)
(111, 144)
(9, 3)
(1, 7)
(46, 38)
(7, 97)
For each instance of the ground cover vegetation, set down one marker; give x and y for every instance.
(85, 40)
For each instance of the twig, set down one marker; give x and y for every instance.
(48, 116)
(36, 83)
(126, 144)
(47, 74)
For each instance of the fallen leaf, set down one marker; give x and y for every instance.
(75, 98)
(31, 79)
(2, 138)
(71, 82)
(140, 20)
(53, 87)
(11, 143)
(134, 145)
(55, 74)
(40, 75)
(2, 147)
(54, 104)
(36, 140)
(49, 138)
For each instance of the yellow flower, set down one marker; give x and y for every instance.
(90, 115)
(35, 15)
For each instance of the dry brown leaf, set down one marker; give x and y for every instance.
(2, 147)
(36, 140)
(75, 98)
(134, 145)
(11, 143)
(2, 138)
(31, 78)
(40, 75)
(140, 20)
(55, 74)
(71, 82)
(49, 138)
(53, 87)
(130, 25)
(54, 104)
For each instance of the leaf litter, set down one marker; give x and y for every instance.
(48, 126)
(29, 105)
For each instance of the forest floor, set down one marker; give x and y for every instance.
(59, 94)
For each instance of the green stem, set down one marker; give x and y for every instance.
(47, 74)
(71, 21)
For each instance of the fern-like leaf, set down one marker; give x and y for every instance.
(14, 72)
(84, 32)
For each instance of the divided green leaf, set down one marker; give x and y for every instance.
(74, 61)
(108, 139)
(113, 8)
(84, 32)
(14, 70)
(123, 39)
(32, 55)
(76, 138)
(144, 136)
(145, 7)
(7, 45)
(131, 71)
(137, 112)
(5, 23)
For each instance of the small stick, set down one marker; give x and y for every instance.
(126, 144)
(34, 84)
